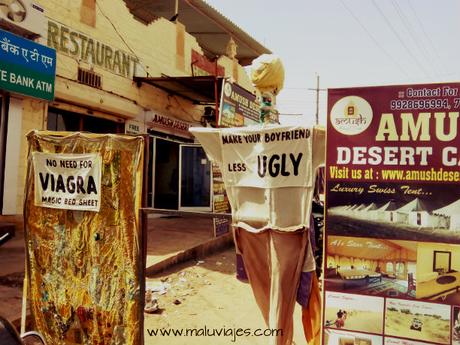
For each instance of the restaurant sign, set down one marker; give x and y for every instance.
(26, 67)
(89, 50)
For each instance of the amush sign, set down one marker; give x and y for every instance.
(67, 181)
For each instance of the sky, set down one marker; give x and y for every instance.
(350, 43)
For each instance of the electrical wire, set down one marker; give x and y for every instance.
(413, 35)
(400, 39)
(390, 57)
(140, 63)
(183, 109)
(420, 23)
(122, 38)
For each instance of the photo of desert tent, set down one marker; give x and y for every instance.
(385, 212)
(352, 210)
(366, 211)
(449, 216)
(371, 266)
(416, 213)
(370, 211)
(358, 209)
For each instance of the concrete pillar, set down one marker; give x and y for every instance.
(180, 46)
(13, 148)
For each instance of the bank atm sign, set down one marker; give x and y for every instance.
(26, 67)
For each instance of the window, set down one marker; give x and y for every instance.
(389, 267)
(98, 125)
(60, 120)
(411, 267)
(89, 78)
(331, 262)
(419, 218)
(345, 263)
(400, 268)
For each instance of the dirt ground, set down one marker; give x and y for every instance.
(209, 294)
(12, 277)
(203, 294)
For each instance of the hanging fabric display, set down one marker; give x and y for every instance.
(84, 266)
(269, 173)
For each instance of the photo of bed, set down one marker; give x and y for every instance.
(351, 276)
(371, 266)
(438, 272)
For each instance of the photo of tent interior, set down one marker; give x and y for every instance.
(438, 272)
(371, 266)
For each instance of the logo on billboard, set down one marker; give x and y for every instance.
(228, 89)
(351, 115)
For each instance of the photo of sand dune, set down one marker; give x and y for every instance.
(336, 337)
(418, 320)
(354, 312)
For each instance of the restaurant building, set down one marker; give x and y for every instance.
(135, 67)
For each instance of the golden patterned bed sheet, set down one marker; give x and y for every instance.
(84, 268)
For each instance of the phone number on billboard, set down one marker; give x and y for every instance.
(403, 104)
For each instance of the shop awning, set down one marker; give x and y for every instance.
(211, 29)
(199, 90)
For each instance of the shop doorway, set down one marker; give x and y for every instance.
(180, 176)
(166, 174)
(194, 179)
